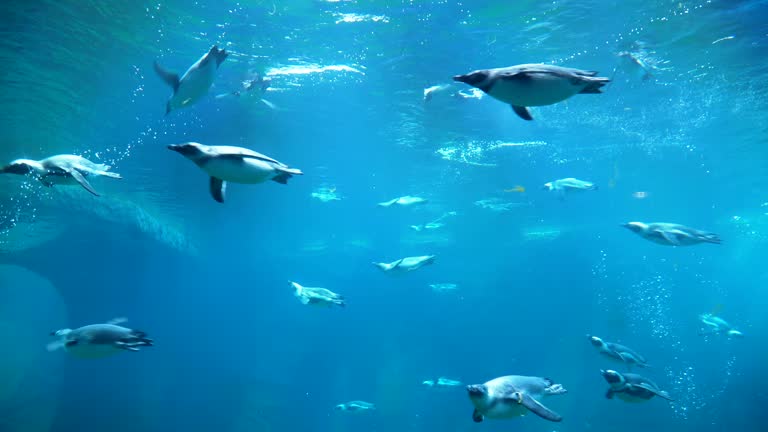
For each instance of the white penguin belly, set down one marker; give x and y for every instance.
(629, 398)
(93, 350)
(503, 410)
(248, 171)
(60, 180)
(536, 90)
(194, 85)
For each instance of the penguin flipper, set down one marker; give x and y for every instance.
(170, 78)
(537, 408)
(55, 345)
(80, 178)
(269, 104)
(218, 189)
(522, 112)
(609, 394)
(125, 346)
(476, 416)
(660, 393)
(670, 237)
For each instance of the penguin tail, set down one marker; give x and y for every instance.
(594, 84)
(110, 174)
(712, 238)
(285, 174)
(103, 170)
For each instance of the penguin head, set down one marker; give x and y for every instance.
(19, 166)
(61, 332)
(190, 150)
(341, 407)
(635, 226)
(596, 341)
(547, 186)
(612, 377)
(478, 78)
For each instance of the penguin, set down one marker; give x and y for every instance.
(355, 406)
(317, 296)
(618, 353)
(233, 164)
(404, 201)
(669, 234)
(716, 325)
(529, 85)
(64, 169)
(99, 340)
(513, 396)
(562, 187)
(408, 264)
(442, 382)
(195, 82)
(632, 387)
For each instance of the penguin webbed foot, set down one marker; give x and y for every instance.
(522, 112)
(477, 417)
(218, 189)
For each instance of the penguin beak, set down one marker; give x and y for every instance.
(474, 390)
(174, 147)
(461, 78)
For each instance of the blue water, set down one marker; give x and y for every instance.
(236, 351)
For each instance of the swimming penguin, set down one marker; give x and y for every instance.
(435, 224)
(529, 85)
(619, 353)
(404, 201)
(60, 169)
(430, 92)
(568, 185)
(670, 234)
(442, 382)
(355, 406)
(195, 82)
(716, 325)
(406, 264)
(234, 164)
(317, 296)
(99, 340)
(632, 387)
(513, 396)
(444, 287)
(258, 83)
